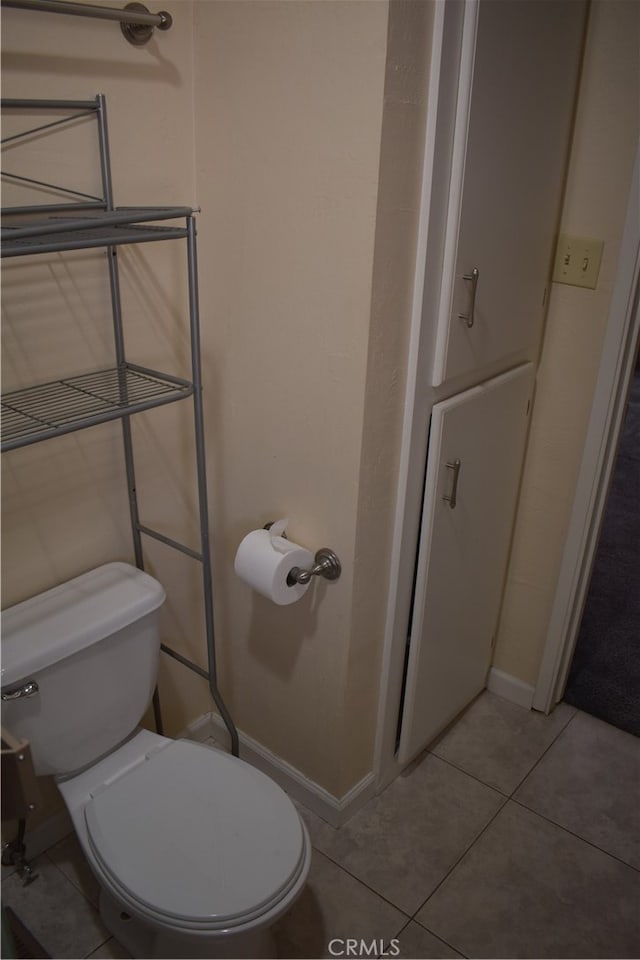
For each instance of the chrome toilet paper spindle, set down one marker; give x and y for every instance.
(326, 565)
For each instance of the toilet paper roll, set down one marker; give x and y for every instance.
(264, 560)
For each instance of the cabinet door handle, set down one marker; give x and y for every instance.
(452, 498)
(27, 689)
(469, 318)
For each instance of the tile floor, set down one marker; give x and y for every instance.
(516, 835)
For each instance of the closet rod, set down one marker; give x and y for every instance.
(136, 21)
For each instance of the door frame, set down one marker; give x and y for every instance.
(605, 423)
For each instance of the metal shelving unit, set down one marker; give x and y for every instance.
(80, 221)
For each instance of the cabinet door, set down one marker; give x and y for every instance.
(476, 447)
(513, 126)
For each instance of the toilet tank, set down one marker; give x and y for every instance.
(91, 645)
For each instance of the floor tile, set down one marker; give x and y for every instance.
(111, 950)
(321, 833)
(334, 906)
(589, 783)
(527, 888)
(417, 943)
(527, 878)
(68, 857)
(499, 742)
(403, 842)
(55, 912)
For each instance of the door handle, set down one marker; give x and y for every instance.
(452, 498)
(470, 318)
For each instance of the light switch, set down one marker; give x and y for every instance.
(578, 260)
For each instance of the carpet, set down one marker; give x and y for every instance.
(604, 679)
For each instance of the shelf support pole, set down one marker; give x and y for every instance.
(194, 322)
(118, 333)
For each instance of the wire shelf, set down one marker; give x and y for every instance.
(73, 403)
(99, 229)
(85, 239)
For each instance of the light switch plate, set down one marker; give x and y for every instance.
(578, 260)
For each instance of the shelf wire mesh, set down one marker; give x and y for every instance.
(60, 406)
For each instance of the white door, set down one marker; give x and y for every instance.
(476, 448)
(510, 150)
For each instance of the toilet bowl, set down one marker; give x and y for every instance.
(196, 852)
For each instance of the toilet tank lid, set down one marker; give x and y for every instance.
(59, 622)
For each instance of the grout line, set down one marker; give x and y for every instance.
(492, 786)
(510, 797)
(559, 734)
(473, 776)
(460, 859)
(24, 915)
(441, 939)
(504, 797)
(364, 884)
(397, 937)
(409, 918)
(72, 880)
(571, 833)
(110, 937)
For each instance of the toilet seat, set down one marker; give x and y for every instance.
(216, 844)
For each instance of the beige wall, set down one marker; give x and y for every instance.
(297, 128)
(303, 353)
(598, 182)
(269, 116)
(288, 106)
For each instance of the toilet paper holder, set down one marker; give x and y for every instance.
(326, 565)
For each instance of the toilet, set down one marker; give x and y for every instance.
(197, 853)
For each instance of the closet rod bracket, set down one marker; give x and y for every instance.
(136, 22)
(140, 33)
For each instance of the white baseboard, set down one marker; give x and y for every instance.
(335, 810)
(200, 729)
(510, 688)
